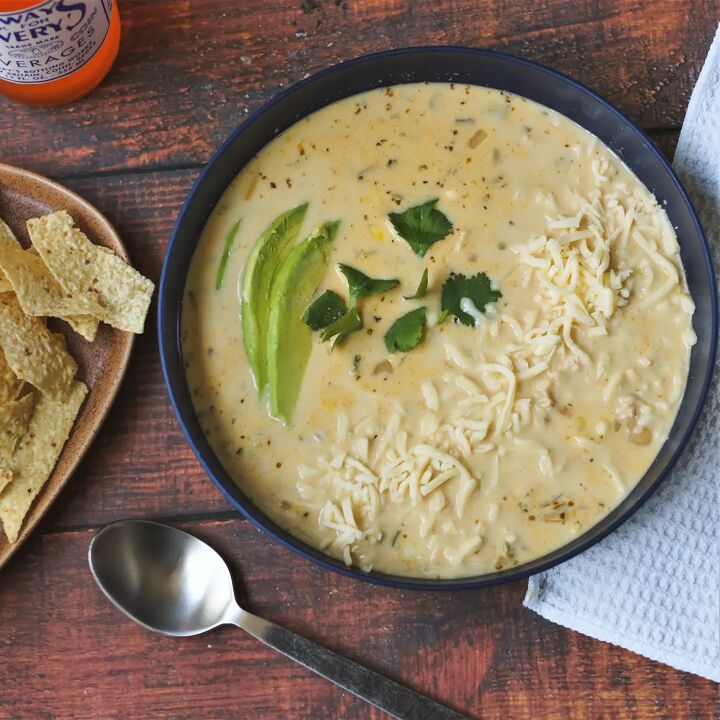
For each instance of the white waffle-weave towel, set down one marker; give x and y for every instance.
(653, 586)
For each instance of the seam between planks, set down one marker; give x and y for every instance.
(127, 171)
(210, 516)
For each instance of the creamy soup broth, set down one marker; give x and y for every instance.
(485, 446)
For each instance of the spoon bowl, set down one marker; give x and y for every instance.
(173, 583)
(161, 577)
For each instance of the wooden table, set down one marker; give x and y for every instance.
(187, 74)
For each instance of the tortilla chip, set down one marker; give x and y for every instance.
(6, 477)
(85, 270)
(38, 292)
(36, 455)
(14, 420)
(10, 384)
(5, 285)
(83, 325)
(32, 352)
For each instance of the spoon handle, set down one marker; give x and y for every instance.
(395, 699)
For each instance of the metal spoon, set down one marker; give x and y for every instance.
(173, 583)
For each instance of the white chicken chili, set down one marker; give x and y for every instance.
(436, 330)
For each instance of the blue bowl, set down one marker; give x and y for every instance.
(461, 65)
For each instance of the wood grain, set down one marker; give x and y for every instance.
(68, 653)
(189, 72)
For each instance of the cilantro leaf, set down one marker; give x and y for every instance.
(406, 332)
(477, 289)
(421, 289)
(343, 326)
(360, 285)
(324, 310)
(421, 226)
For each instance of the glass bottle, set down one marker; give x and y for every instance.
(56, 51)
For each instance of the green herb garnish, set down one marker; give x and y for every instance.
(229, 240)
(360, 285)
(343, 326)
(324, 310)
(421, 289)
(477, 289)
(330, 311)
(421, 226)
(406, 332)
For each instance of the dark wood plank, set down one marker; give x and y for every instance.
(666, 141)
(188, 73)
(67, 653)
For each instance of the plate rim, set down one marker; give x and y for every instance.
(49, 494)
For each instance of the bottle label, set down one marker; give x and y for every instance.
(51, 40)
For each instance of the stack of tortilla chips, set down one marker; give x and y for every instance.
(63, 275)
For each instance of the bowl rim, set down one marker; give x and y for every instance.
(251, 512)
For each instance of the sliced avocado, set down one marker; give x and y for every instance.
(289, 339)
(222, 265)
(263, 264)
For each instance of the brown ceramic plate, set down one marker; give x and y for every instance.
(102, 363)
